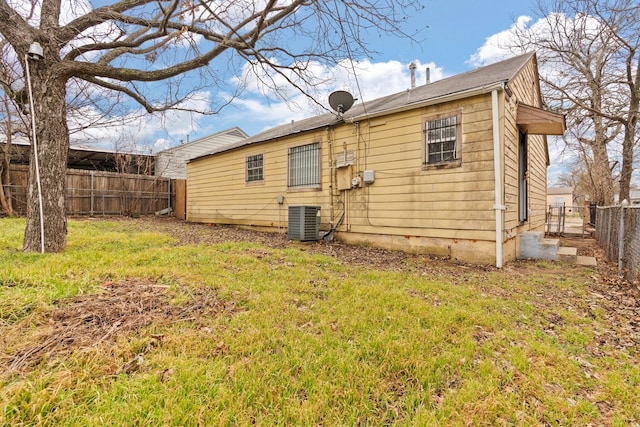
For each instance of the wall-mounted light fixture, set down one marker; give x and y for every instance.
(35, 51)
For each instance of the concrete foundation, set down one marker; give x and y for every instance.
(533, 245)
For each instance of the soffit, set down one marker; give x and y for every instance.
(536, 121)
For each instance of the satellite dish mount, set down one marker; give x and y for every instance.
(341, 101)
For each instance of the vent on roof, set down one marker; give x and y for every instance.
(304, 223)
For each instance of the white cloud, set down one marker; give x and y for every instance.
(138, 131)
(366, 80)
(499, 46)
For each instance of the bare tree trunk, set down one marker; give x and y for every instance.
(627, 161)
(53, 146)
(603, 182)
(629, 142)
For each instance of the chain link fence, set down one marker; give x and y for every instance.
(618, 233)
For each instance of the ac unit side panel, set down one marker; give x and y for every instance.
(304, 223)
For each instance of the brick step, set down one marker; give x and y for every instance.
(533, 245)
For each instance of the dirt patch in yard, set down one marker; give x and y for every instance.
(358, 255)
(585, 247)
(619, 300)
(125, 308)
(120, 308)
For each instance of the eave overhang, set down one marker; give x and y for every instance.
(536, 121)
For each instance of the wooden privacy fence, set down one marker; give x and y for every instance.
(97, 193)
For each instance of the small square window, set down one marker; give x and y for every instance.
(255, 171)
(442, 140)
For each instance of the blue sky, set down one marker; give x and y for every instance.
(453, 31)
(456, 29)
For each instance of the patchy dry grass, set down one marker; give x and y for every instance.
(158, 322)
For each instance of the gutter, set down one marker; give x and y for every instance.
(432, 101)
(481, 90)
(499, 207)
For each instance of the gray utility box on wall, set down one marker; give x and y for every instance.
(304, 223)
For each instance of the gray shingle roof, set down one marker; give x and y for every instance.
(475, 79)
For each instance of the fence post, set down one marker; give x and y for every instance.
(623, 208)
(91, 193)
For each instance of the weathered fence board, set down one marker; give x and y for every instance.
(181, 198)
(97, 193)
(618, 233)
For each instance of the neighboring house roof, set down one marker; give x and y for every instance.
(480, 80)
(553, 191)
(213, 141)
(172, 162)
(78, 157)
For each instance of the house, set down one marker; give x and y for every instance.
(172, 162)
(561, 196)
(455, 168)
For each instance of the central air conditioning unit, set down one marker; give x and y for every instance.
(304, 223)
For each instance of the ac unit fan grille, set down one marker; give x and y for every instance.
(304, 223)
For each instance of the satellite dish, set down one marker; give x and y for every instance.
(341, 101)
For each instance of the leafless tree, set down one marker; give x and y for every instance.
(588, 53)
(580, 177)
(5, 160)
(128, 46)
(12, 124)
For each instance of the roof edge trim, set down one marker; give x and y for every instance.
(482, 90)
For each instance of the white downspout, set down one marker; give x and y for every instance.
(497, 167)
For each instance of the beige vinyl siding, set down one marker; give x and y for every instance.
(510, 166)
(410, 204)
(218, 191)
(526, 91)
(537, 182)
(404, 199)
(407, 199)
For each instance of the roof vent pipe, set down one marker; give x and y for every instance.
(428, 75)
(412, 68)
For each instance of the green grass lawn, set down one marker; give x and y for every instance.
(299, 338)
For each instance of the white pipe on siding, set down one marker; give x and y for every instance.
(497, 167)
